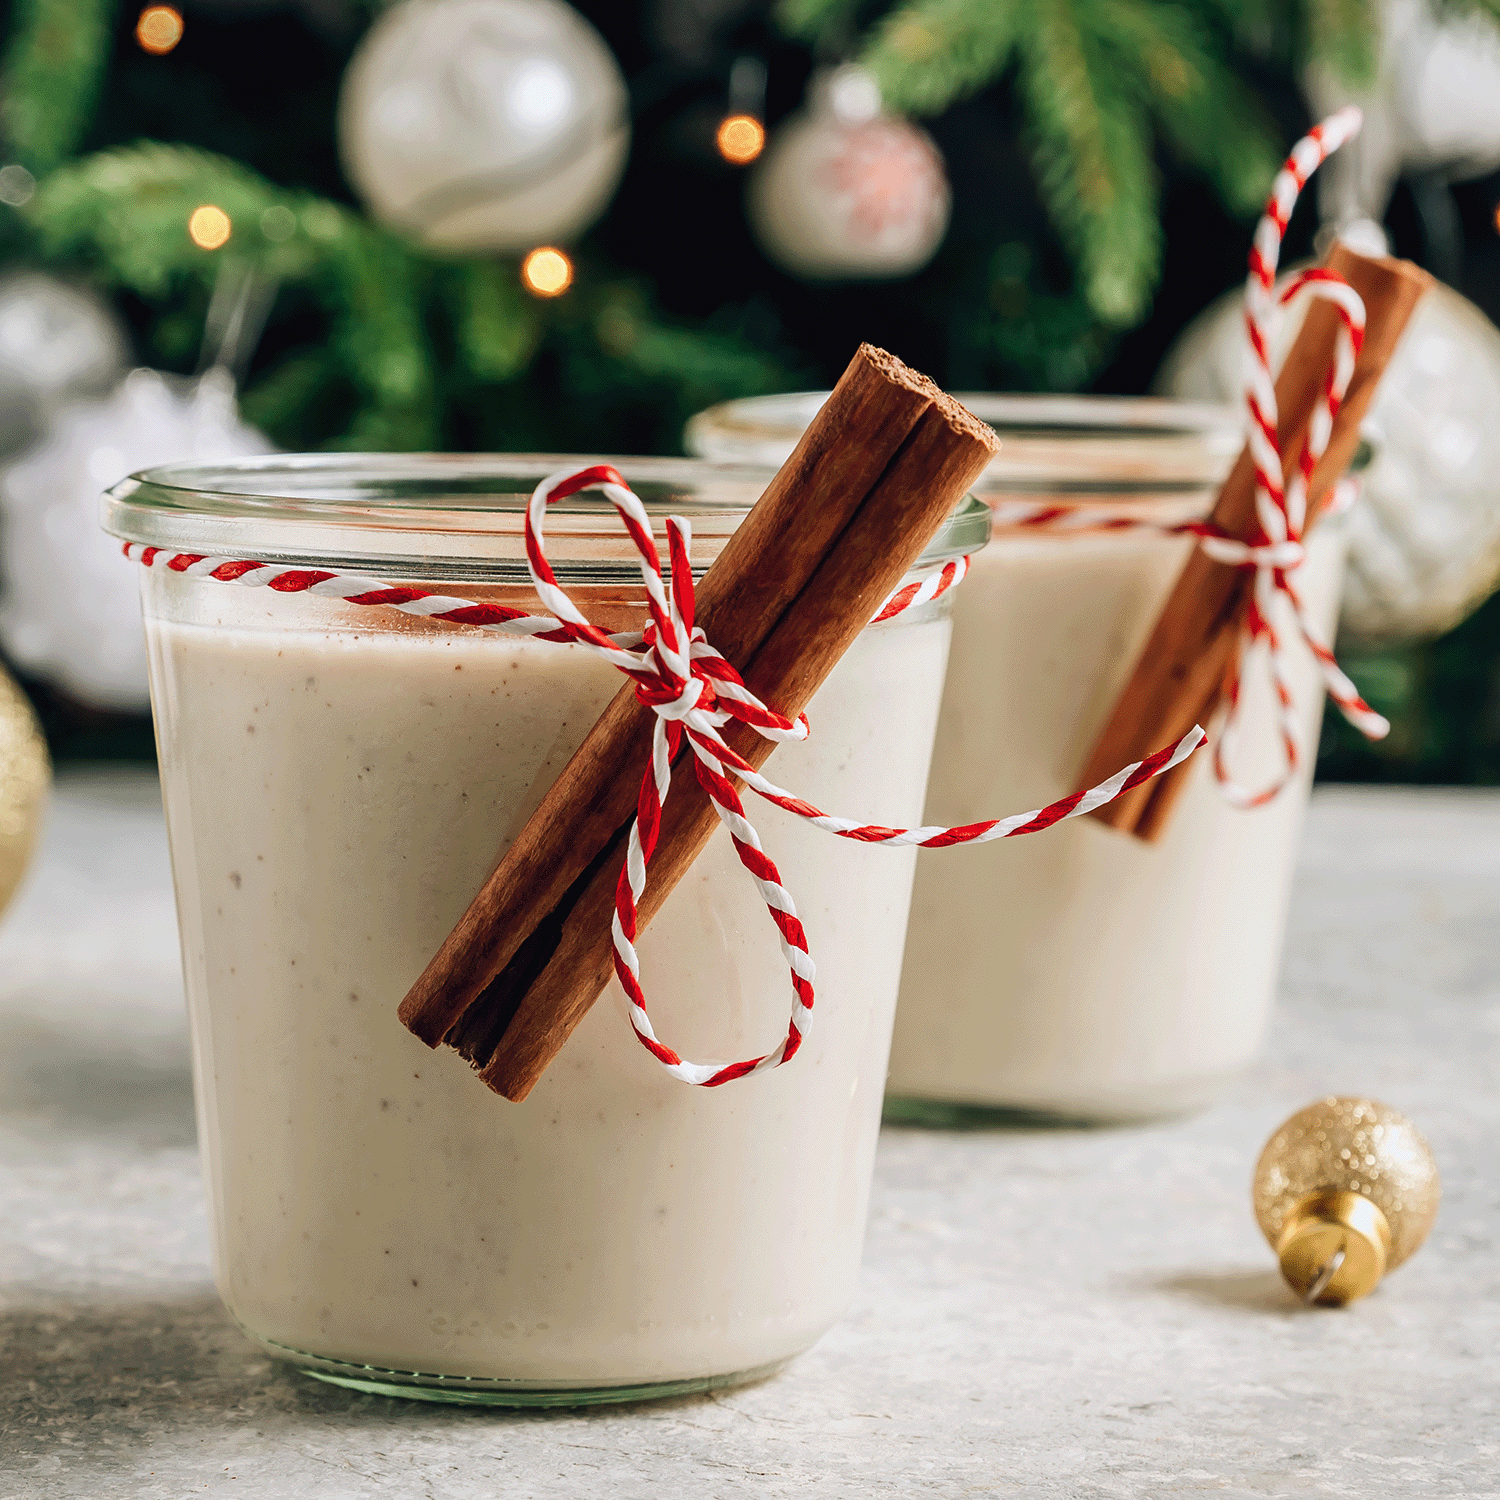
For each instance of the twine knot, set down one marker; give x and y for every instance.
(1277, 551)
(693, 691)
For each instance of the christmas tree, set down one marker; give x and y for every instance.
(1106, 160)
(1061, 123)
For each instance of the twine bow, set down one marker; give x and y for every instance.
(694, 692)
(1276, 550)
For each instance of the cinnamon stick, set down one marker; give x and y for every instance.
(469, 991)
(760, 571)
(1180, 676)
(946, 453)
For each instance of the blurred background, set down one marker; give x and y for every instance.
(234, 225)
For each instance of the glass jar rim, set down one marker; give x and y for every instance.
(1105, 446)
(445, 515)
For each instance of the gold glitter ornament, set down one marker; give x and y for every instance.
(24, 775)
(1345, 1191)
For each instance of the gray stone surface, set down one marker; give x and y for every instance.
(1043, 1313)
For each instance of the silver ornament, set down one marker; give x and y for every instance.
(484, 124)
(1424, 540)
(846, 192)
(57, 343)
(69, 611)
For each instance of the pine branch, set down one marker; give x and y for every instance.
(1022, 335)
(697, 366)
(1091, 151)
(1344, 37)
(125, 213)
(372, 285)
(1212, 120)
(1094, 74)
(49, 80)
(622, 365)
(496, 323)
(816, 20)
(285, 402)
(927, 53)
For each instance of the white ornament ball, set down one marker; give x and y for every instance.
(1430, 106)
(484, 125)
(1424, 537)
(1445, 81)
(845, 192)
(70, 612)
(57, 342)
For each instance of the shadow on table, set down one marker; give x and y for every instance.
(938, 1115)
(1260, 1291)
(88, 1083)
(148, 1367)
(82, 1376)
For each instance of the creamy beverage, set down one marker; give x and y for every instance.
(1089, 973)
(1084, 973)
(338, 783)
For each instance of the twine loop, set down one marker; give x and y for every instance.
(1276, 549)
(1274, 553)
(694, 693)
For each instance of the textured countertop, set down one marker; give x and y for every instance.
(1043, 1313)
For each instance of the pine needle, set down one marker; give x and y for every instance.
(928, 53)
(50, 76)
(1091, 152)
(1211, 119)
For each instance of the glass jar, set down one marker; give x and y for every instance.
(338, 782)
(1084, 975)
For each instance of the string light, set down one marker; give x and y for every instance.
(741, 139)
(547, 272)
(159, 29)
(208, 227)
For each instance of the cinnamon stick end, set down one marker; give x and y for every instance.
(416, 1017)
(959, 417)
(897, 371)
(965, 424)
(505, 1082)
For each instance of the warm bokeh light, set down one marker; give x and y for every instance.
(1497, 218)
(741, 139)
(159, 29)
(547, 272)
(208, 227)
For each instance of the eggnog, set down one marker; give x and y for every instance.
(1084, 974)
(1089, 973)
(338, 783)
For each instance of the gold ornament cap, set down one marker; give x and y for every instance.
(1345, 1191)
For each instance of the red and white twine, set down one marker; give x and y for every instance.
(1276, 550)
(693, 692)
(1281, 512)
(357, 588)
